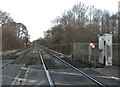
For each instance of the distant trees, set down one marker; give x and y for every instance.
(4, 18)
(81, 24)
(14, 35)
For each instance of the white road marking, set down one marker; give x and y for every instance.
(15, 79)
(67, 73)
(26, 74)
(31, 69)
(111, 77)
(41, 82)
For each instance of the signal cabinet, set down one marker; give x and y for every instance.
(105, 49)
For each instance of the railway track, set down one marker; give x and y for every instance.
(48, 61)
(39, 66)
(15, 57)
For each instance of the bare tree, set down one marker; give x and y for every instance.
(14, 35)
(81, 24)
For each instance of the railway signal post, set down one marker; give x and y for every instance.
(91, 49)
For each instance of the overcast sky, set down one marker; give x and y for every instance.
(37, 15)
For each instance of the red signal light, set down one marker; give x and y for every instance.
(92, 45)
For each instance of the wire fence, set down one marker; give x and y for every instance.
(81, 52)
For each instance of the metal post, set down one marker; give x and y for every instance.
(89, 53)
(94, 59)
(1, 54)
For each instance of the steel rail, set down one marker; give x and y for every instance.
(17, 51)
(94, 80)
(50, 80)
(15, 59)
(20, 80)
